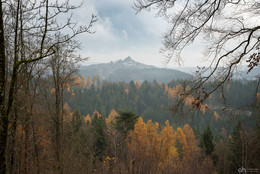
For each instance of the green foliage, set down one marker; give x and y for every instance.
(236, 146)
(77, 120)
(206, 142)
(100, 142)
(150, 101)
(125, 121)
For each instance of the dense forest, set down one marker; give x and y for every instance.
(109, 127)
(155, 100)
(53, 120)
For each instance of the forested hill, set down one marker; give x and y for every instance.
(128, 69)
(153, 100)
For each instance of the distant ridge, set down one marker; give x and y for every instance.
(128, 69)
(238, 74)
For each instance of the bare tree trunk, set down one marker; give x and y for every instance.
(3, 116)
(36, 151)
(13, 141)
(20, 169)
(26, 142)
(11, 91)
(56, 78)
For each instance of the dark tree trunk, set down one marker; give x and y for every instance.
(3, 115)
(13, 142)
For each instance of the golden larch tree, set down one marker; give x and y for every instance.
(89, 82)
(168, 149)
(96, 113)
(137, 85)
(83, 81)
(111, 117)
(192, 146)
(77, 81)
(87, 119)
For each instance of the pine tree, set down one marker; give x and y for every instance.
(238, 147)
(206, 142)
(77, 120)
(100, 143)
(125, 121)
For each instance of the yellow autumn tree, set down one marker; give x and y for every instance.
(166, 89)
(171, 93)
(145, 145)
(96, 113)
(83, 81)
(181, 143)
(192, 147)
(216, 115)
(189, 101)
(137, 85)
(88, 82)
(154, 140)
(138, 144)
(87, 119)
(179, 91)
(139, 139)
(168, 150)
(77, 81)
(111, 117)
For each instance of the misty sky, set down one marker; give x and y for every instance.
(121, 33)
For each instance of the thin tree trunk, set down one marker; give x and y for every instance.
(21, 152)
(5, 112)
(26, 142)
(36, 150)
(3, 116)
(56, 77)
(58, 129)
(13, 142)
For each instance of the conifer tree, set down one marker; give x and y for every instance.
(100, 143)
(77, 120)
(125, 121)
(206, 142)
(238, 147)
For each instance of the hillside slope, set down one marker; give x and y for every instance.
(128, 69)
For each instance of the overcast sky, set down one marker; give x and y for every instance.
(121, 33)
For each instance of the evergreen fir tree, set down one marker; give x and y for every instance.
(238, 147)
(125, 121)
(206, 142)
(100, 143)
(77, 120)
